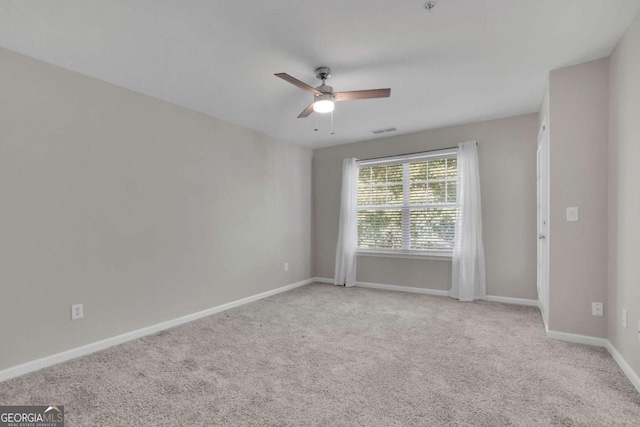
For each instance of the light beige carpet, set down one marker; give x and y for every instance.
(328, 356)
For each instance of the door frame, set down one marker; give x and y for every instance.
(542, 220)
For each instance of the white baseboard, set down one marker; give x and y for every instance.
(54, 359)
(437, 292)
(511, 300)
(600, 342)
(626, 368)
(575, 338)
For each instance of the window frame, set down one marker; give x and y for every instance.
(406, 205)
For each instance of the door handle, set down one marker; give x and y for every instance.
(541, 236)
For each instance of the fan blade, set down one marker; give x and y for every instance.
(306, 111)
(296, 82)
(362, 94)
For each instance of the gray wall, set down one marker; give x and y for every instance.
(572, 149)
(624, 195)
(579, 109)
(141, 210)
(507, 157)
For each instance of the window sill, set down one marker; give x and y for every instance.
(438, 256)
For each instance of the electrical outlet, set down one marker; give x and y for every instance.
(286, 266)
(624, 318)
(597, 309)
(77, 312)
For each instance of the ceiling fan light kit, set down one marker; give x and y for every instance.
(323, 103)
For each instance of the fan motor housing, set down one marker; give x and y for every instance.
(325, 89)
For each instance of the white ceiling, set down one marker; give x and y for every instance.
(468, 60)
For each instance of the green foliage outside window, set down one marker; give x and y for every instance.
(418, 197)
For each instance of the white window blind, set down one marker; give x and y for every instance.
(407, 204)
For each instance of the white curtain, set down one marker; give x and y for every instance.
(468, 273)
(348, 228)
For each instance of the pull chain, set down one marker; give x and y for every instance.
(332, 132)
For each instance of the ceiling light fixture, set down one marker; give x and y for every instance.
(323, 103)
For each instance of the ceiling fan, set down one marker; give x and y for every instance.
(324, 97)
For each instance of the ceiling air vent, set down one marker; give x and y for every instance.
(387, 130)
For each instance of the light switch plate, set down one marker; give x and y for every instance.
(624, 318)
(572, 213)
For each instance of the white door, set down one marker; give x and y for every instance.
(543, 222)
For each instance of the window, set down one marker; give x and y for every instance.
(407, 205)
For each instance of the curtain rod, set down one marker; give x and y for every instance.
(408, 154)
